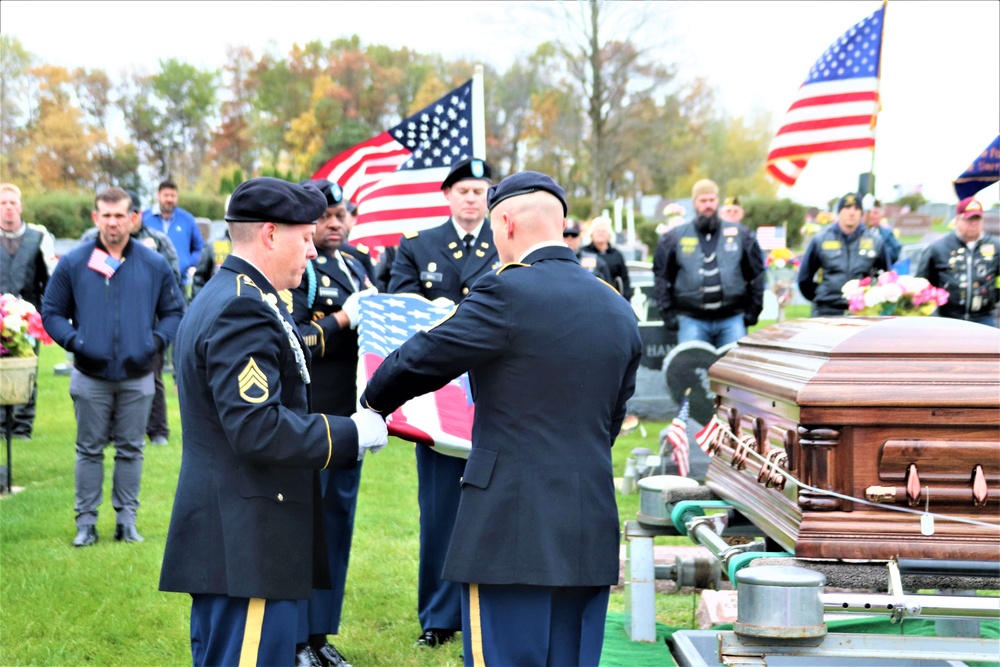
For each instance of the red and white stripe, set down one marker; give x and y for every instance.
(825, 117)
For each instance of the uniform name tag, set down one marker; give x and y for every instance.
(329, 292)
(831, 245)
(433, 276)
(730, 231)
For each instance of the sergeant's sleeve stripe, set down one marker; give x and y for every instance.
(329, 442)
(322, 339)
(251, 632)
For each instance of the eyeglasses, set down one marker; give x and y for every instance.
(570, 234)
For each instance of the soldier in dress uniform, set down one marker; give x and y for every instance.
(325, 310)
(245, 537)
(444, 262)
(536, 539)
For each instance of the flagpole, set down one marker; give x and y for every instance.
(878, 97)
(478, 115)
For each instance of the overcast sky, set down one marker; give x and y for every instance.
(940, 69)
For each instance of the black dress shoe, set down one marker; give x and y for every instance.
(85, 536)
(329, 655)
(434, 638)
(128, 533)
(306, 657)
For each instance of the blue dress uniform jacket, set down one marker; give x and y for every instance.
(538, 499)
(434, 263)
(246, 520)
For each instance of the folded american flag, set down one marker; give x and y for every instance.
(442, 420)
(103, 263)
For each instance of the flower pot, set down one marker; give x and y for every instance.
(17, 379)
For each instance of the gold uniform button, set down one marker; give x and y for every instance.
(465, 290)
(281, 498)
(427, 284)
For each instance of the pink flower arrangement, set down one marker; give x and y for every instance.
(21, 327)
(893, 294)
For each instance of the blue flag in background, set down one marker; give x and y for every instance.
(984, 171)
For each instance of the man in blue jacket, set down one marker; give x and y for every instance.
(180, 226)
(535, 545)
(115, 305)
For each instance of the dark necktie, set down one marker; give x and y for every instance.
(468, 239)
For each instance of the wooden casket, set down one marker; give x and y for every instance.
(899, 412)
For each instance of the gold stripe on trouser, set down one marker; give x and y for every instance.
(475, 627)
(251, 633)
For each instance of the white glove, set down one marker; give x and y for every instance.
(372, 432)
(443, 302)
(352, 306)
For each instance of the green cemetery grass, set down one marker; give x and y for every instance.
(99, 605)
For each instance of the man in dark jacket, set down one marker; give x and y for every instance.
(709, 275)
(24, 272)
(245, 537)
(535, 545)
(845, 250)
(114, 304)
(966, 264)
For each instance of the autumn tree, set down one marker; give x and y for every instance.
(15, 105)
(231, 142)
(58, 146)
(609, 75)
(168, 115)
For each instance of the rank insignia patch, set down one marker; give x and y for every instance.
(253, 383)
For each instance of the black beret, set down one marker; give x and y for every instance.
(469, 168)
(522, 183)
(850, 199)
(334, 194)
(266, 199)
(134, 196)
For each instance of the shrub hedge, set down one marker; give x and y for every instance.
(67, 214)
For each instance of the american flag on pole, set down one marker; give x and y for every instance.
(678, 438)
(443, 419)
(770, 237)
(837, 106)
(103, 263)
(395, 177)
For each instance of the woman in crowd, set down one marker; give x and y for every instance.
(602, 242)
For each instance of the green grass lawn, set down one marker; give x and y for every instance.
(100, 605)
